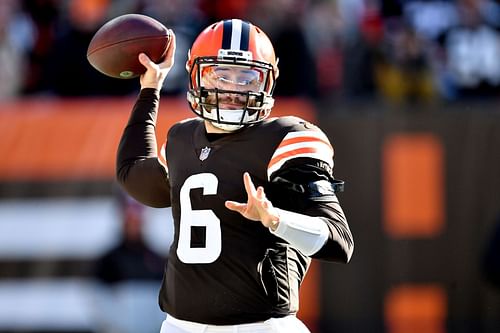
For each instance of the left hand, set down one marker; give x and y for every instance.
(258, 207)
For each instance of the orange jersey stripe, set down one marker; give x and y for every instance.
(294, 152)
(303, 139)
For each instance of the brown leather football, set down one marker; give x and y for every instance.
(115, 46)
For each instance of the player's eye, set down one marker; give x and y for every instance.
(223, 76)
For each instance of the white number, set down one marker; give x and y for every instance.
(199, 218)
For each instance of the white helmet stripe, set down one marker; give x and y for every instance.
(236, 34)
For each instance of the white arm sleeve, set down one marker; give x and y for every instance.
(305, 233)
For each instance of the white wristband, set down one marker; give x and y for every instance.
(305, 233)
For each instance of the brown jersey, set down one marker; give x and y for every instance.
(224, 269)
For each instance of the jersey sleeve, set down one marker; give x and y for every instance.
(300, 164)
(301, 144)
(139, 169)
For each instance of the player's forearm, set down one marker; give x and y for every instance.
(305, 233)
(138, 139)
(138, 169)
(327, 237)
(340, 244)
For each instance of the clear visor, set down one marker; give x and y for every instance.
(235, 78)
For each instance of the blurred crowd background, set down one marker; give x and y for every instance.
(407, 90)
(349, 50)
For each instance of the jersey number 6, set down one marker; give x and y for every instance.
(199, 218)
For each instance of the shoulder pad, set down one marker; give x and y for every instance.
(293, 123)
(302, 140)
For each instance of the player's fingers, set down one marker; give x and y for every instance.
(146, 61)
(260, 193)
(236, 206)
(168, 60)
(249, 186)
(266, 204)
(172, 46)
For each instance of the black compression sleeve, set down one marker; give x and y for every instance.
(138, 169)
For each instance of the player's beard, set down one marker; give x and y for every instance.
(232, 108)
(230, 101)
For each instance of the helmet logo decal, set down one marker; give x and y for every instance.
(233, 54)
(204, 153)
(236, 35)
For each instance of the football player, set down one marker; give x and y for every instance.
(253, 197)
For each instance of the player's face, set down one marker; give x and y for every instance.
(233, 78)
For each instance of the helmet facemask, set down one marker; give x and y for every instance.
(231, 90)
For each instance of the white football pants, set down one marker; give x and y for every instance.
(289, 324)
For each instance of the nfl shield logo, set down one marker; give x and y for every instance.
(204, 153)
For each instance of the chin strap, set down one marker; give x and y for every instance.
(226, 127)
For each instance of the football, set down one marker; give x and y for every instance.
(114, 48)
